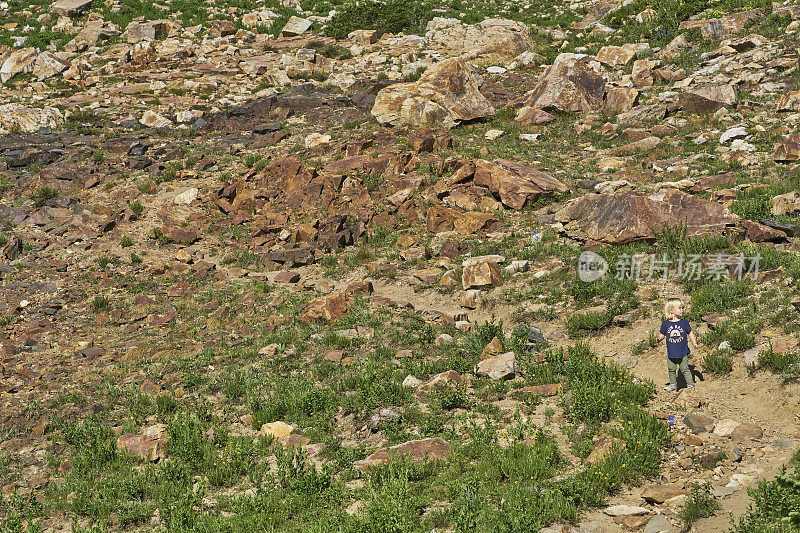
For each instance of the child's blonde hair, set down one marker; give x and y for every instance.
(669, 307)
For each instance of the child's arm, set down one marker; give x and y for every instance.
(693, 339)
(661, 336)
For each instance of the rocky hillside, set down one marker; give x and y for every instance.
(390, 266)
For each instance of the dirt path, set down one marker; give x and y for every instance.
(759, 399)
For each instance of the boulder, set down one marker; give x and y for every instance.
(788, 150)
(69, 8)
(221, 28)
(786, 204)
(661, 493)
(417, 451)
(630, 216)
(146, 30)
(617, 56)
(698, 422)
(642, 114)
(503, 366)
(515, 184)
(760, 233)
(441, 219)
(492, 39)
(715, 29)
(296, 26)
(29, 119)
(602, 446)
(619, 99)
(328, 308)
(568, 85)
(659, 524)
(708, 98)
(626, 510)
(441, 380)
(277, 429)
(788, 102)
(94, 30)
(724, 428)
(469, 298)
(49, 64)
(150, 445)
(533, 116)
(746, 431)
(481, 274)
(19, 62)
(445, 95)
(151, 119)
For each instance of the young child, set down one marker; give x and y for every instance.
(678, 333)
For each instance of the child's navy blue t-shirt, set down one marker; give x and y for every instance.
(677, 337)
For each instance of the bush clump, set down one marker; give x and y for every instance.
(393, 16)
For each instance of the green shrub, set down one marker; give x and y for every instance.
(752, 204)
(775, 506)
(42, 195)
(717, 362)
(449, 398)
(701, 504)
(137, 207)
(776, 362)
(587, 321)
(391, 16)
(331, 51)
(717, 297)
(100, 303)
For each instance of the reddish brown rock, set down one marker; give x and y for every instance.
(287, 276)
(328, 308)
(360, 288)
(746, 431)
(441, 219)
(661, 493)
(503, 366)
(567, 85)
(445, 95)
(221, 28)
(533, 116)
(444, 379)
(616, 56)
(12, 248)
(481, 274)
(788, 150)
(760, 233)
(180, 234)
(628, 217)
(642, 114)
(717, 180)
(708, 98)
(788, 102)
(515, 184)
(151, 445)
(619, 99)
(417, 451)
